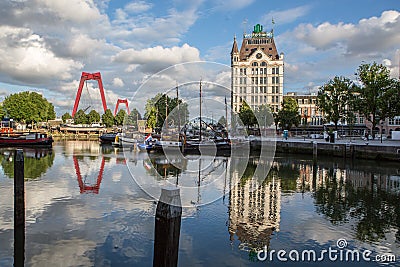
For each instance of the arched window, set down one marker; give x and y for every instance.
(254, 64)
(263, 63)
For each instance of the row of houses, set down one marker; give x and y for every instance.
(312, 118)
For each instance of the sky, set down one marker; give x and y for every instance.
(45, 45)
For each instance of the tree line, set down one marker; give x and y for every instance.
(27, 107)
(374, 95)
(107, 119)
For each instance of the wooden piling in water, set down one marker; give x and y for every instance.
(167, 228)
(315, 151)
(19, 209)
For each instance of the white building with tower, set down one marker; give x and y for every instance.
(257, 71)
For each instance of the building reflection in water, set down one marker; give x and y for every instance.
(254, 207)
(364, 194)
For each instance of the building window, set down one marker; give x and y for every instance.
(263, 63)
(275, 70)
(254, 64)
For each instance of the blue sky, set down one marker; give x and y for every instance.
(46, 44)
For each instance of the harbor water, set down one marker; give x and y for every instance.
(92, 205)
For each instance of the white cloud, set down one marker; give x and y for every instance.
(25, 57)
(285, 16)
(369, 36)
(83, 45)
(73, 10)
(147, 29)
(157, 58)
(118, 82)
(137, 7)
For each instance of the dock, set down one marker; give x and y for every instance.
(345, 148)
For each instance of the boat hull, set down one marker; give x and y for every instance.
(107, 138)
(40, 142)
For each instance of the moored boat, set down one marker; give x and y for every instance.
(26, 140)
(147, 145)
(107, 138)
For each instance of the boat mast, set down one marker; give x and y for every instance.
(179, 113)
(226, 117)
(200, 112)
(166, 111)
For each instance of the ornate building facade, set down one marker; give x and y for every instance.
(257, 71)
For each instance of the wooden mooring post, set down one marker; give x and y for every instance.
(315, 151)
(19, 209)
(167, 228)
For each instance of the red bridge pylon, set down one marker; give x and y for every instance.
(119, 101)
(89, 76)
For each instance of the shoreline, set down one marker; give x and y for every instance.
(344, 148)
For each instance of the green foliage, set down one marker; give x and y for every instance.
(93, 116)
(374, 94)
(289, 114)
(159, 107)
(66, 116)
(120, 117)
(29, 107)
(80, 117)
(2, 112)
(334, 98)
(108, 118)
(264, 116)
(33, 167)
(247, 115)
(132, 118)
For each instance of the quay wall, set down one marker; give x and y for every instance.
(344, 150)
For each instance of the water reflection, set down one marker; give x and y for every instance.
(37, 161)
(298, 205)
(364, 195)
(84, 185)
(254, 207)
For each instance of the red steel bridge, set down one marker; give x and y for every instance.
(97, 77)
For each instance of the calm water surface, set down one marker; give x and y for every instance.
(84, 207)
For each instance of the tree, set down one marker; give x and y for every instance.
(264, 116)
(29, 107)
(51, 113)
(66, 116)
(93, 116)
(289, 114)
(119, 118)
(246, 115)
(374, 93)
(108, 118)
(334, 98)
(132, 118)
(80, 117)
(161, 106)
